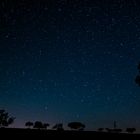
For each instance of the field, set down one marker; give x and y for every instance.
(41, 134)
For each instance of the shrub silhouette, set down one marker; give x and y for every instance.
(76, 125)
(5, 119)
(38, 125)
(114, 130)
(29, 124)
(58, 126)
(130, 130)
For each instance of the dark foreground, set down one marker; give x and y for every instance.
(41, 134)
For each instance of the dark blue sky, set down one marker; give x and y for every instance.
(70, 60)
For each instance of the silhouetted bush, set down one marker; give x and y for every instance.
(58, 126)
(76, 125)
(130, 130)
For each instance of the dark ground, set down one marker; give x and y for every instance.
(13, 133)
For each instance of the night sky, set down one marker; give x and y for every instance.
(70, 60)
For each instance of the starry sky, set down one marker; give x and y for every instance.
(70, 60)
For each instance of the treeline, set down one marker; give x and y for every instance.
(6, 120)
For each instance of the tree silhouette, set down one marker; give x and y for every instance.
(38, 125)
(76, 125)
(58, 126)
(5, 119)
(137, 79)
(29, 124)
(130, 130)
